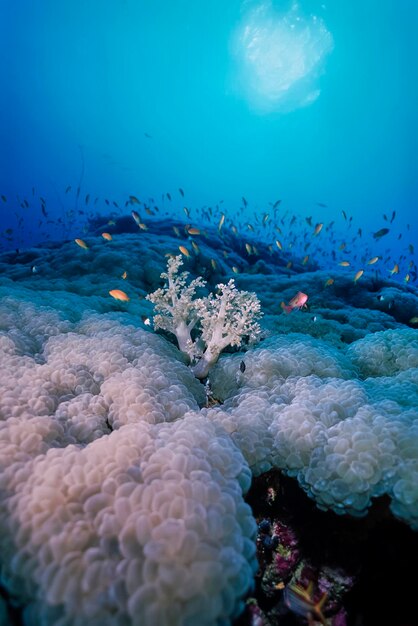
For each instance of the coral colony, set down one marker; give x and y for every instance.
(126, 461)
(226, 319)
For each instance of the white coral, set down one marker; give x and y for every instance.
(225, 319)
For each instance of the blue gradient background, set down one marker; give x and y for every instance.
(101, 74)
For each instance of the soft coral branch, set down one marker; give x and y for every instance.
(227, 319)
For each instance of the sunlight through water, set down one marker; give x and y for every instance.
(280, 56)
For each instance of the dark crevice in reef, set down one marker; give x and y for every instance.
(378, 551)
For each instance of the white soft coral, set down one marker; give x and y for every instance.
(225, 319)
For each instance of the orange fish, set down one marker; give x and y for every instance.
(318, 229)
(297, 302)
(373, 260)
(193, 231)
(107, 236)
(118, 294)
(329, 282)
(81, 243)
(124, 275)
(305, 259)
(395, 269)
(184, 251)
(344, 263)
(358, 275)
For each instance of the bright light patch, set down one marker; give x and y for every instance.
(280, 56)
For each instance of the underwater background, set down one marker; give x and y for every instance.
(307, 102)
(208, 313)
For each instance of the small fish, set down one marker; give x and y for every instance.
(342, 246)
(221, 221)
(111, 223)
(411, 248)
(308, 220)
(186, 210)
(358, 275)
(305, 259)
(34, 269)
(279, 244)
(289, 265)
(248, 248)
(81, 243)
(87, 198)
(193, 231)
(297, 302)
(373, 260)
(134, 200)
(213, 264)
(242, 367)
(266, 218)
(318, 229)
(344, 215)
(235, 269)
(195, 247)
(276, 204)
(407, 278)
(181, 192)
(107, 236)
(146, 320)
(344, 264)
(124, 275)
(322, 204)
(301, 601)
(393, 216)
(118, 294)
(329, 282)
(68, 189)
(250, 227)
(244, 201)
(4, 198)
(136, 217)
(184, 251)
(168, 196)
(380, 233)
(395, 269)
(414, 320)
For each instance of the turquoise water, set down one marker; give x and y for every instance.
(308, 102)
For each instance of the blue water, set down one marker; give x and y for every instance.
(309, 102)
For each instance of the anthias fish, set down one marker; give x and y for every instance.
(81, 243)
(297, 302)
(118, 294)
